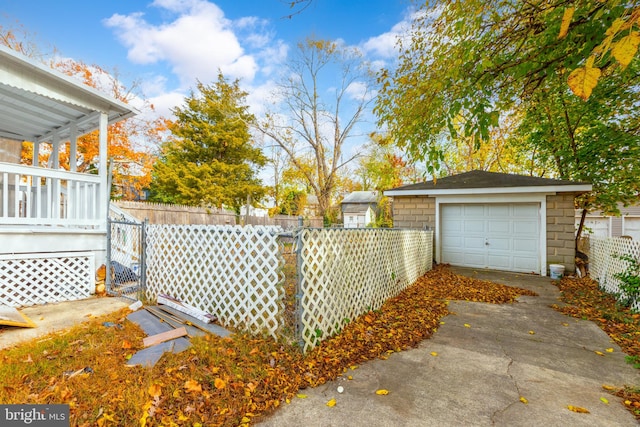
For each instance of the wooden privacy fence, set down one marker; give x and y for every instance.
(605, 262)
(163, 213)
(343, 273)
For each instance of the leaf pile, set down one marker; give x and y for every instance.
(442, 283)
(218, 381)
(586, 300)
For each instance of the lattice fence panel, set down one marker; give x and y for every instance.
(32, 279)
(604, 261)
(346, 272)
(235, 273)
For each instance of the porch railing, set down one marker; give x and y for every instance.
(36, 196)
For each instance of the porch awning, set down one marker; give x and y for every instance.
(36, 101)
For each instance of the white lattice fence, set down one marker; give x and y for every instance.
(346, 272)
(32, 279)
(230, 271)
(604, 261)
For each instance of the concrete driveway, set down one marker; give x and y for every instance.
(475, 375)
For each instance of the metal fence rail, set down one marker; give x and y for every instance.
(605, 262)
(343, 273)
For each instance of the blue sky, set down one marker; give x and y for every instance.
(167, 45)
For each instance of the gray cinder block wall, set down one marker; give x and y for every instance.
(561, 231)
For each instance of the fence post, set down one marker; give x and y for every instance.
(107, 280)
(299, 327)
(143, 260)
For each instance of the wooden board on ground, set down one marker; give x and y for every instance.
(149, 356)
(149, 323)
(174, 321)
(164, 336)
(209, 327)
(10, 316)
(203, 316)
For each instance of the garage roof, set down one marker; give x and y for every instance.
(36, 100)
(478, 182)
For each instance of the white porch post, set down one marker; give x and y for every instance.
(36, 153)
(73, 147)
(103, 194)
(55, 151)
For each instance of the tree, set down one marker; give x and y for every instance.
(497, 154)
(597, 140)
(381, 167)
(478, 58)
(210, 160)
(316, 128)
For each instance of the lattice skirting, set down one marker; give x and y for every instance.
(605, 262)
(31, 279)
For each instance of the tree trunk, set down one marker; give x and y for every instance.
(580, 227)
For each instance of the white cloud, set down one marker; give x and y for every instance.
(197, 43)
(360, 92)
(165, 102)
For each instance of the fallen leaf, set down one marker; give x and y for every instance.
(219, 383)
(301, 396)
(193, 386)
(126, 344)
(609, 350)
(154, 390)
(382, 392)
(331, 403)
(349, 377)
(433, 353)
(599, 353)
(524, 400)
(604, 400)
(578, 409)
(466, 325)
(531, 333)
(608, 387)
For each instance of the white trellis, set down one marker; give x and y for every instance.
(31, 279)
(605, 262)
(346, 272)
(232, 272)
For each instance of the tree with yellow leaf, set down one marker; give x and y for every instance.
(481, 59)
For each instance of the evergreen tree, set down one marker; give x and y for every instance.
(210, 159)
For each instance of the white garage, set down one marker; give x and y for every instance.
(493, 220)
(498, 236)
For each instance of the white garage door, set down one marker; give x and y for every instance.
(500, 236)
